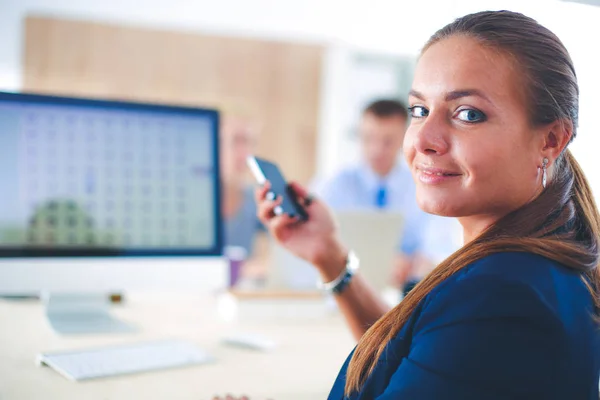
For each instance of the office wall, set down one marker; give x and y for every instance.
(275, 84)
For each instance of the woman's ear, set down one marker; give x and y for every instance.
(556, 137)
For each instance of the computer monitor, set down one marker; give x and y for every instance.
(99, 196)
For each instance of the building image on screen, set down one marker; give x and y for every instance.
(106, 176)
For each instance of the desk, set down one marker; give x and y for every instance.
(304, 366)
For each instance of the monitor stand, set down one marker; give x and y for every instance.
(82, 313)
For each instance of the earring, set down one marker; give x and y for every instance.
(544, 174)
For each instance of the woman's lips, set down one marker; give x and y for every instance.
(435, 176)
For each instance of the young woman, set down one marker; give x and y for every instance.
(511, 315)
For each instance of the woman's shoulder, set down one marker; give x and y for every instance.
(519, 268)
(504, 268)
(508, 317)
(510, 284)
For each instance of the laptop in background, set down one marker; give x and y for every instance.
(374, 237)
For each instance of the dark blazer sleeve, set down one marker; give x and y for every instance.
(482, 337)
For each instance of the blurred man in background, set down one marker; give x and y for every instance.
(382, 181)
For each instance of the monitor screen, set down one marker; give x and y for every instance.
(103, 178)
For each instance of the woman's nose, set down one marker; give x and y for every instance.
(431, 135)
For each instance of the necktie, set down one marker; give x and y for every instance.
(381, 198)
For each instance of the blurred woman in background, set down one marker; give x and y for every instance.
(243, 230)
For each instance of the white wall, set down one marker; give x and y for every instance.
(387, 26)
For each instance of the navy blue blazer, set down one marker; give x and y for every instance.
(509, 326)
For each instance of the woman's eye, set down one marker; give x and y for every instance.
(418, 111)
(471, 115)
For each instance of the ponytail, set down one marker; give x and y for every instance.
(588, 227)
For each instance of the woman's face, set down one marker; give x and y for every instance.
(470, 145)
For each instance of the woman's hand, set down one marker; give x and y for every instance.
(314, 240)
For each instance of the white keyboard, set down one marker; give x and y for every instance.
(125, 359)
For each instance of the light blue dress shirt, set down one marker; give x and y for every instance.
(357, 187)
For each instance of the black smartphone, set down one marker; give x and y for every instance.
(263, 171)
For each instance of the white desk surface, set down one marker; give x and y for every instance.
(304, 366)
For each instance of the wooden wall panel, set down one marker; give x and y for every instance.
(276, 84)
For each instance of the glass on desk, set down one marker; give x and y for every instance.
(236, 256)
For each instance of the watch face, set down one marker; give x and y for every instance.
(353, 262)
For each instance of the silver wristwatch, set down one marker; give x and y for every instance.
(339, 283)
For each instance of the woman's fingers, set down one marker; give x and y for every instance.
(266, 209)
(261, 192)
(302, 194)
(298, 189)
(279, 222)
